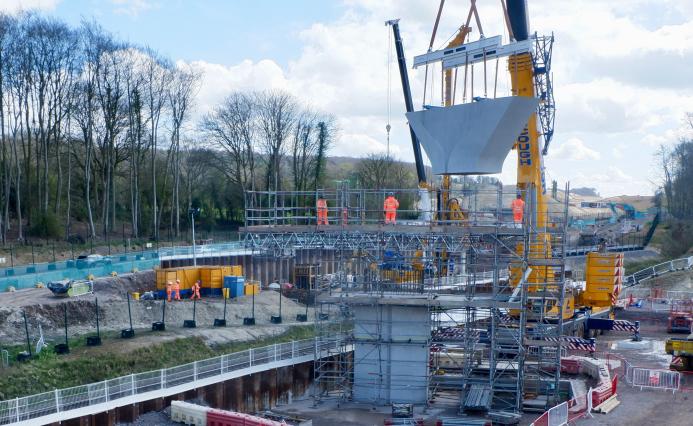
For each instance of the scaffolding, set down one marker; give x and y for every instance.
(432, 310)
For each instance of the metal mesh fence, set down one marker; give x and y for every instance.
(26, 276)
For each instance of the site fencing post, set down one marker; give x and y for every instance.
(162, 379)
(16, 408)
(57, 401)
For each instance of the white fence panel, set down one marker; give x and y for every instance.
(558, 415)
(628, 372)
(656, 379)
(179, 375)
(209, 367)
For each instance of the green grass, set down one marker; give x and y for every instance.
(635, 266)
(49, 371)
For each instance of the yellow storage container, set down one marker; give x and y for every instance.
(135, 295)
(251, 289)
(235, 270)
(187, 276)
(213, 276)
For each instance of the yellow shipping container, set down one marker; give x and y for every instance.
(213, 276)
(186, 275)
(251, 289)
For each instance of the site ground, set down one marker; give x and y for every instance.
(147, 350)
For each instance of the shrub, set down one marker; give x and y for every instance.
(678, 239)
(45, 225)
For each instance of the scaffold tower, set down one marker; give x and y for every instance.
(432, 310)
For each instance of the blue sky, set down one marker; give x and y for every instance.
(220, 31)
(621, 68)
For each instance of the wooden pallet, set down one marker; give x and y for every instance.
(608, 405)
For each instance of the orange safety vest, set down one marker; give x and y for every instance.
(391, 204)
(322, 203)
(518, 207)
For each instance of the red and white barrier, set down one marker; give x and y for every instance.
(197, 415)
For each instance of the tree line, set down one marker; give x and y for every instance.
(98, 135)
(675, 194)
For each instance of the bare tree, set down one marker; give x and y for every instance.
(277, 113)
(157, 76)
(231, 127)
(183, 87)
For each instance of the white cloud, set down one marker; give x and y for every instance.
(218, 80)
(14, 6)
(132, 8)
(573, 149)
(611, 112)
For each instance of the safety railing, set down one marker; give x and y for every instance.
(59, 400)
(656, 379)
(345, 207)
(657, 270)
(200, 250)
(555, 416)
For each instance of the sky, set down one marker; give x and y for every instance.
(621, 68)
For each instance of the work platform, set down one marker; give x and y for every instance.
(431, 301)
(404, 227)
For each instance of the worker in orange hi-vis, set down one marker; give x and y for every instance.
(322, 211)
(518, 207)
(176, 290)
(390, 205)
(169, 284)
(195, 290)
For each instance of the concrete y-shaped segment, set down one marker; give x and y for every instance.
(472, 138)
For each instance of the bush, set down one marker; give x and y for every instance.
(45, 225)
(677, 240)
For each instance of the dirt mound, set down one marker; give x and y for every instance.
(118, 286)
(44, 310)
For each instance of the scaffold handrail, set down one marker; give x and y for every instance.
(417, 207)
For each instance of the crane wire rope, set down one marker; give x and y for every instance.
(388, 127)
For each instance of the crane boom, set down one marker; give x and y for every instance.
(404, 76)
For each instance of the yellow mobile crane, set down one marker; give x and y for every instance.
(529, 60)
